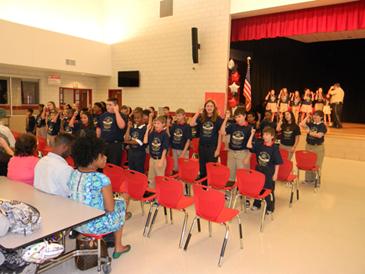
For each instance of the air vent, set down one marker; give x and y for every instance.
(70, 62)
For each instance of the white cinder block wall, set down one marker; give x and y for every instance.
(160, 48)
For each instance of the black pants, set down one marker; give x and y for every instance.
(114, 152)
(269, 184)
(336, 114)
(206, 155)
(136, 159)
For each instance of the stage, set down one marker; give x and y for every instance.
(345, 143)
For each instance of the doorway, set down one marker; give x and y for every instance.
(82, 97)
(116, 93)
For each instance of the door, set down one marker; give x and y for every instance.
(116, 93)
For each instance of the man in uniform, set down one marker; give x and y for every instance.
(336, 103)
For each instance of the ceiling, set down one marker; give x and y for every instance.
(314, 37)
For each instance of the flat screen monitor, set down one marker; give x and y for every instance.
(128, 78)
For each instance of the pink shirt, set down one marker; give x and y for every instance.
(22, 169)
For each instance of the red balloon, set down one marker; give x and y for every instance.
(232, 103)
(235, 77)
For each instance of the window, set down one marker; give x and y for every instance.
(30, 92)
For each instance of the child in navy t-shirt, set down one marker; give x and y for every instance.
(30, 121)
(85, 125)
(268, 160)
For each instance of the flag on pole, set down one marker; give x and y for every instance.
(247, 86)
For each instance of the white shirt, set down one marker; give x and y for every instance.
(6, 131)
(52, 174)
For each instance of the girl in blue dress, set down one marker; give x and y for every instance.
(94, 189)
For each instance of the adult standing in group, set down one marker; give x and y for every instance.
(210, 140)
(111, 128)
(336, 103)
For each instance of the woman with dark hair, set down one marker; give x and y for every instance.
(103, 106)
(290, 133)
(21, 165)
(85, 125)
(94, 189)
(98, 110)
(5, 155)
(210, 140)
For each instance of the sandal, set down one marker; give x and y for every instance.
(128, 215)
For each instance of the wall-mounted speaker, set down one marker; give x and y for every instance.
(195, 45)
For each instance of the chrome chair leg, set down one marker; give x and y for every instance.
(210, 228)
(142, 208)
(263, 216)
(99, 255)
(223, 245)
(291, 194)
(165, 211)
(272, 206)
(235, 200)
(153, 221)
(190, 232)
(240, 230)
(199, 229)
(171, 216)
(244, 204)
(184, 228)
(147, 221)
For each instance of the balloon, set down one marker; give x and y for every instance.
(231, 64)
(235, 77)
(232, 103)
(234, 87)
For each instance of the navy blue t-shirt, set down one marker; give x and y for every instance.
(209, 131)
(68, 129)
(81, 129)
(288, 135)
(110, 131)
(53, 128)
(158, 141)
(31, 124)
(96, 117)
(137, 133)
(39, 121)
(239, 136)
(307, 100)
(180, 134)
(265, 123)
(316, 128)
(284, 99)
(296, 101)
(272, 99)
(267, 156)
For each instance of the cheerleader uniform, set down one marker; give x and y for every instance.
(283, 104)
(306, 104)
(327, 108)
(319, 103)
(295, 107)
(271, 104)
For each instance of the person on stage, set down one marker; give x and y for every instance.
(336, 103)
(319, 100)
(271, 102)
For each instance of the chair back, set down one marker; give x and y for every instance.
(136, 184)
(253, 161)
(250, 182)
(70, 162)
(191, 153)
(223, 146)
(15, 134)
(41, 143)
(305, 159)
(217, 174)
(196, 145)
(169, 191)
(169, 165)
(209, 202)
(147, 163)
(188, 169)
(115, 174)
(284, 153)
(285, 169)
(223, 155)
(124, 158)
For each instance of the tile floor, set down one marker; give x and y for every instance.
(321, 233)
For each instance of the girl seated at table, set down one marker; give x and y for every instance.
(92, 188)
(21, 165)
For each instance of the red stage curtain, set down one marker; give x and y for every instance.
(340, 17)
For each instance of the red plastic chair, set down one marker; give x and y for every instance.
(124, 160)
(284, 153)
(306, 160)
(223, 155)
(136, 187)
(41, 143)
(218, 176)
(253, 161)
(188, 171)
(16, 134)
(70, 162)
(250, 184)
(147, 163)
(191, 153)
(170, 195)
(209, 205)
(116, 176)
(196, 147)
(285, 175)
(47, 150)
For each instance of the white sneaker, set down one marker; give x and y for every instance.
(307, 182)
(254, 208)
